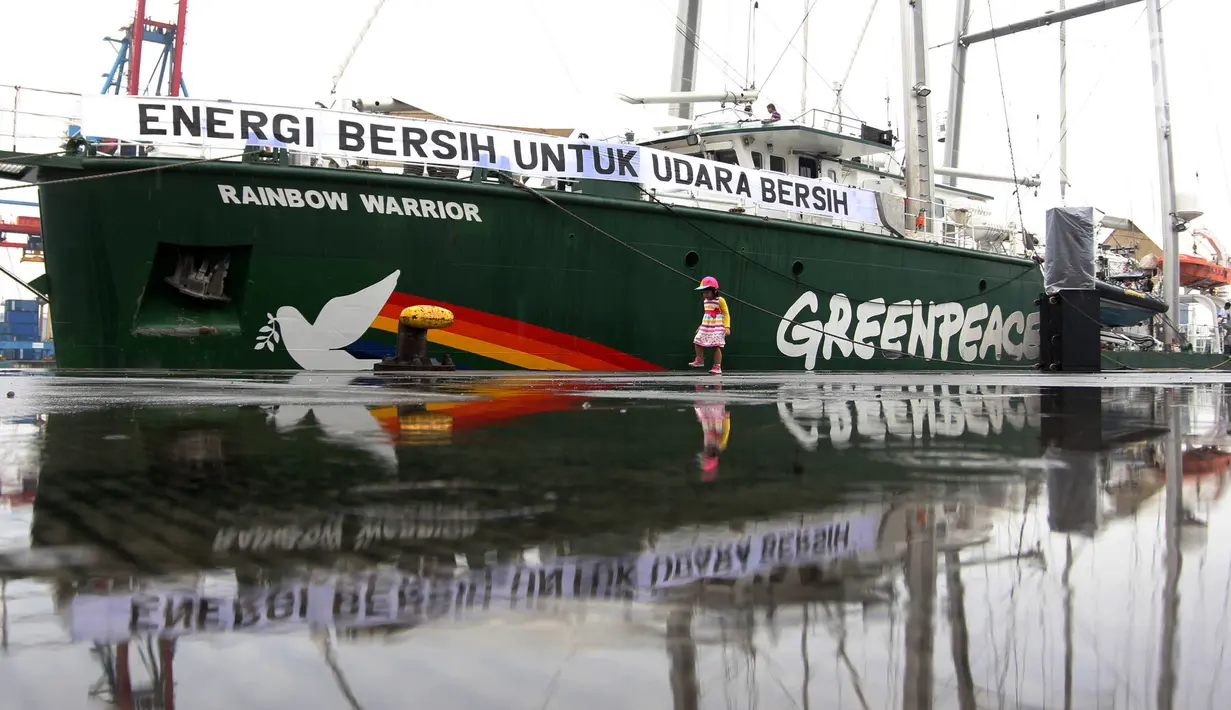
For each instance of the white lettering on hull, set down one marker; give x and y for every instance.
(420, 207)
(283, 197)
(906, 328)
(261, 196)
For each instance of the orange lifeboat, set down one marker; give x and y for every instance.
(1196, 272)
(1199, 273)
(1205, 463)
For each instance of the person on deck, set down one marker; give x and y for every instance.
(1224, 325)
(774, 116)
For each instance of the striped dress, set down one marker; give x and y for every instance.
(717, 317)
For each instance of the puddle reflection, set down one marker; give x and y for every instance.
(536, 542)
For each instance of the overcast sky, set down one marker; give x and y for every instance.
(548, 62)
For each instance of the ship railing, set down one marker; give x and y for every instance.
(945, 230)
(831, 122)
(1203, 337)
(40, 121)
(35, 120)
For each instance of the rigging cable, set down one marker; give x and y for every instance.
(704, 49)
(1004, 102)
(790, 43)
(563, 61)
(121, 173)
(890, 354)
(838, 103)
(797, 281)
(1085, 102)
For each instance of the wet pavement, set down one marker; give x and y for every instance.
(471, 541)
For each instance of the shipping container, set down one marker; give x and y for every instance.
(23, 331)
(5, 328)
(21, 305)
(21, 316)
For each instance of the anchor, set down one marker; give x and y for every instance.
(204, 282)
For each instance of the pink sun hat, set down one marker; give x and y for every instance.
(708, 282)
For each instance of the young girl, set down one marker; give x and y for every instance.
(715, 325)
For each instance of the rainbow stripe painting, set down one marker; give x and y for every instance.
(507, 340)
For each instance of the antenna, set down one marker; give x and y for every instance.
(750, 64)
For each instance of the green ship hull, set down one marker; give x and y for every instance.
(319, 263)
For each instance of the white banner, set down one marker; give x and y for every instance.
(395, 597)
(221, 124)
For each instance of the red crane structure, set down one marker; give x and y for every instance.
(117, 685)
(129, 53)
(32, 247)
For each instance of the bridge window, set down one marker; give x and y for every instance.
(758, 160)
(807, 167)
(777, 163)
(724, 156)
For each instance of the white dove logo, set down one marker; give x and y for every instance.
(341, 321)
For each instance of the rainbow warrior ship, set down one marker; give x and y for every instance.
(190, 234)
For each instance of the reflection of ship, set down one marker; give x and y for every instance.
(316, 481)
(851, 538)
(339, 512)
(18, 468)
(1112, 465)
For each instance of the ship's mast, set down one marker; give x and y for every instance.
(961, 45)
(683, 92)
(920, 177)
(684, 65)
(1173, 560)
(957, 91)
(1166, 167)
(921, 568)
(1064, 112)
